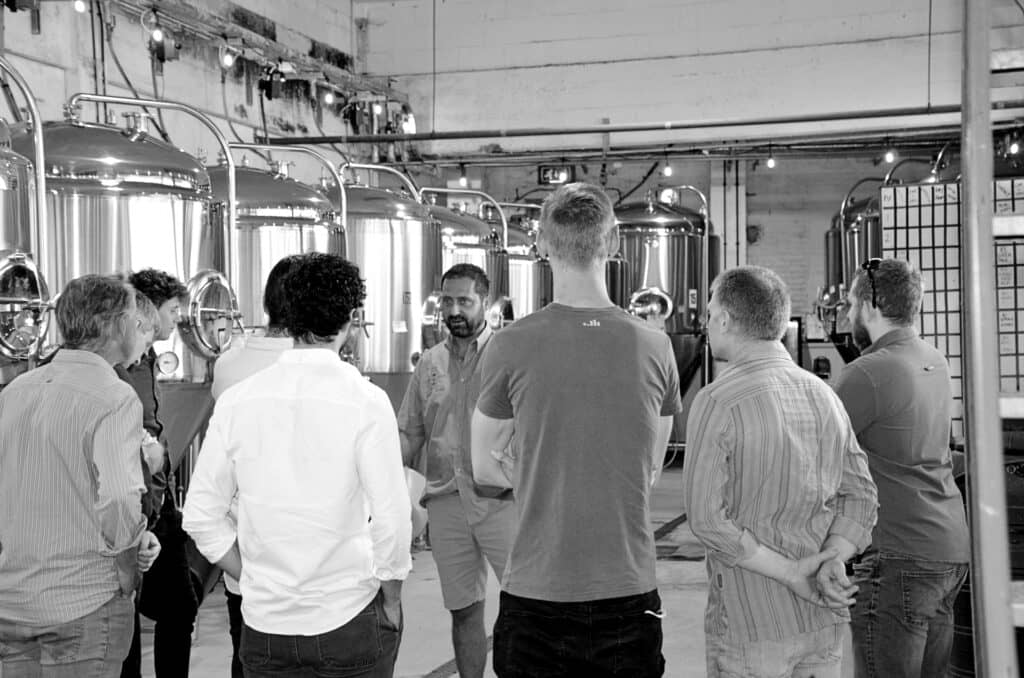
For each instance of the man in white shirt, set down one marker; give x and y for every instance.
(312, 451)
(257, 353)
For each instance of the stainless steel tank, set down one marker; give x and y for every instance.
(24, 297)
(277, 216)
(664, 248)
(23, 291)
(120, 200)
(669, 256)
(397, 246)
(531, 286)
(854, 237)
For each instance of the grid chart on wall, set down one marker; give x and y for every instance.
(922, 225)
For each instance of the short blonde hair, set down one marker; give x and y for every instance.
(575, 223)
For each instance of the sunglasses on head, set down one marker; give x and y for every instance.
(872, 265)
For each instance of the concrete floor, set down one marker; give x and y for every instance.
(426, 644)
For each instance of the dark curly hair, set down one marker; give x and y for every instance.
(158, 286)
(322, 293)
(275, 297)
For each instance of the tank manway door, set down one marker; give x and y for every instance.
(24, 308)
(212, 314)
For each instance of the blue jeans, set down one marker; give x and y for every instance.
(818, 654)
(92, 646)
(366, 646)
(602, 638)
(903, 617)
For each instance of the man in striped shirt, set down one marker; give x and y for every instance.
(776, 487)
(72, 533)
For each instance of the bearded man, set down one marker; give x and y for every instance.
(470, 526)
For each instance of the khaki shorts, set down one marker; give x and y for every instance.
(462, 551)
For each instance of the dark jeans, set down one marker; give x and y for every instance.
(366, 646)
(903, 619)
(92, 646)
(235, 629)
(611, 637)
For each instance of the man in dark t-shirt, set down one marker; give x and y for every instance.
(585, 393)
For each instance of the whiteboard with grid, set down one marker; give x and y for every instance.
(921, 224)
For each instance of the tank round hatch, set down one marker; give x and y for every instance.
(107, 158)
(267, 198)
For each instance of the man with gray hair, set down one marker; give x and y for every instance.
(586, 394)
(775, 485)
(72, 533)
(900, 400)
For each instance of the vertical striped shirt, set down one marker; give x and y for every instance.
(70, 489)
(772, 458)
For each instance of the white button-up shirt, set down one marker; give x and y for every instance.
(312, 451)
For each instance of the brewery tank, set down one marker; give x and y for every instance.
(120, 200)
(530, 283)
(397, 247)
(23, 290)
(669, 256)
(277, 217)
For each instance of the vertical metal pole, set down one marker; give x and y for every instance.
(995, 654)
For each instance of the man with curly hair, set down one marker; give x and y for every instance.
(167, 595)
(311, 450)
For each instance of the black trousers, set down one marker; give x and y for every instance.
(613, 637)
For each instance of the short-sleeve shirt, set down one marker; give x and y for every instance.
(899, 398)
(586, 388)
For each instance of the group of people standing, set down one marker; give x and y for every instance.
(540, 444)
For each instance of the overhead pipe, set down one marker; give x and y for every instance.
(410, 186)
(479, 194)
(39, 229)
(679, 125)
(305, 151)
(231, 237)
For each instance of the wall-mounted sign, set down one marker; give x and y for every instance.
(553, 175)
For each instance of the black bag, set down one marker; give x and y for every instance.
(180, 578)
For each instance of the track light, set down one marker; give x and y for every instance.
(463, 179)
(80, 6)
(228, 56)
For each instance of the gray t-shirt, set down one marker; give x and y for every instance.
(587, 388)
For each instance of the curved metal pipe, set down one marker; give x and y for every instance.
(704, 209)
(39, 232)
(387, 170)
(479, 194)
(906, 161)
(232, 232)
(844, 254)
(937, 167)
(305, 151)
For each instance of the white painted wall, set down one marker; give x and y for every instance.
(472, 64)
